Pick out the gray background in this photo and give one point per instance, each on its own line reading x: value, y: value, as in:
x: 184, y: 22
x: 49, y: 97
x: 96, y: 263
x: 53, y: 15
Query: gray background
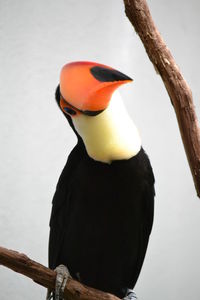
x: 36, y: 39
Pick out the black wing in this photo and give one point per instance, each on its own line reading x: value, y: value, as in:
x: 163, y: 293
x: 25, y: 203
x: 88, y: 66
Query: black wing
x: 60, y: 204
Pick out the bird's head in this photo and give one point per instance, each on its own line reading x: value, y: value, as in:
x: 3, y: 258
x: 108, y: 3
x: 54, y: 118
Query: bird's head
x: 98, y: 118
x: 86, y: 87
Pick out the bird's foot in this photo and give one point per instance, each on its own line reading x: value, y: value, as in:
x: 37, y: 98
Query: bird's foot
x: 61, y: 281
x: 130, y: 295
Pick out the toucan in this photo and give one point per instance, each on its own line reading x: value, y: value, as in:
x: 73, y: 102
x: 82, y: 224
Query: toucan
x: 103, y: 206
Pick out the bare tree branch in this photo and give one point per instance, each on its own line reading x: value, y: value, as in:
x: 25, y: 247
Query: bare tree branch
x: 40, y: 274
x: 179, y: 92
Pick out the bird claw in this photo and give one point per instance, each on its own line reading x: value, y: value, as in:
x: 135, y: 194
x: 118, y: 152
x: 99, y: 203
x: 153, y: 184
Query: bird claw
x: 62, y: 275
x: 131, y: 295
x: 61, y: 280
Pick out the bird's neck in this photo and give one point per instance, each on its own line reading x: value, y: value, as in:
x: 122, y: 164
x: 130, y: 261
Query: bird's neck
x: 111, y: 135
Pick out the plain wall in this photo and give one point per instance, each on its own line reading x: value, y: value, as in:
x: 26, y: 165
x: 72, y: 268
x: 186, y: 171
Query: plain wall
x: 36, y: 39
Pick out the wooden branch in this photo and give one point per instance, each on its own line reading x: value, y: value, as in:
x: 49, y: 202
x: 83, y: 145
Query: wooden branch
x: 179, y: 92
x: 40, y: 274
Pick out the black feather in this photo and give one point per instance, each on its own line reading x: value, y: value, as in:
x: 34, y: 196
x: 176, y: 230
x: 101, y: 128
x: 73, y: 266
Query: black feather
x: 101, y: 220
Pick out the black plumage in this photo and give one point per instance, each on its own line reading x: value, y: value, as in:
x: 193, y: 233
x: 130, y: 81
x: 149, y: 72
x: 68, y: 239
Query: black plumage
x: 101, y: 219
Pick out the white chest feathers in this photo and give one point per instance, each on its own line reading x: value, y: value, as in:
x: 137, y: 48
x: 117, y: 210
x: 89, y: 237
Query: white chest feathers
x: 111, y: 135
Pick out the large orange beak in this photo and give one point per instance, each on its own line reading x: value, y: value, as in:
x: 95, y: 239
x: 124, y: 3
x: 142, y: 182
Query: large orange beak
x: 88, y: 86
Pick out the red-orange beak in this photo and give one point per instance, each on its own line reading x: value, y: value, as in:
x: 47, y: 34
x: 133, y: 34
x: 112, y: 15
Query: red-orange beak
x: 88, y: 86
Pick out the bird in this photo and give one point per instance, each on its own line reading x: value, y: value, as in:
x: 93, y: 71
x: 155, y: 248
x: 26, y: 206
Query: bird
x: 103, y: 206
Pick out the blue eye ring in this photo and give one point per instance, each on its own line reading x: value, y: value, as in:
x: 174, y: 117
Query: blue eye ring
x: 70, y: 111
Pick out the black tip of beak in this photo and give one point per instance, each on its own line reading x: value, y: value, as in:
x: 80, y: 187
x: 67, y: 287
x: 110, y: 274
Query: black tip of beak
x: 108, y: 75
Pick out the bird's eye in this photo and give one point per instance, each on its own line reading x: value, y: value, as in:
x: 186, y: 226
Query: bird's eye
x: 70, y: 111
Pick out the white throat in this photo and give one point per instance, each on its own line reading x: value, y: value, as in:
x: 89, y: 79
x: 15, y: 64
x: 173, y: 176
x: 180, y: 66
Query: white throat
x: 111, y: 135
